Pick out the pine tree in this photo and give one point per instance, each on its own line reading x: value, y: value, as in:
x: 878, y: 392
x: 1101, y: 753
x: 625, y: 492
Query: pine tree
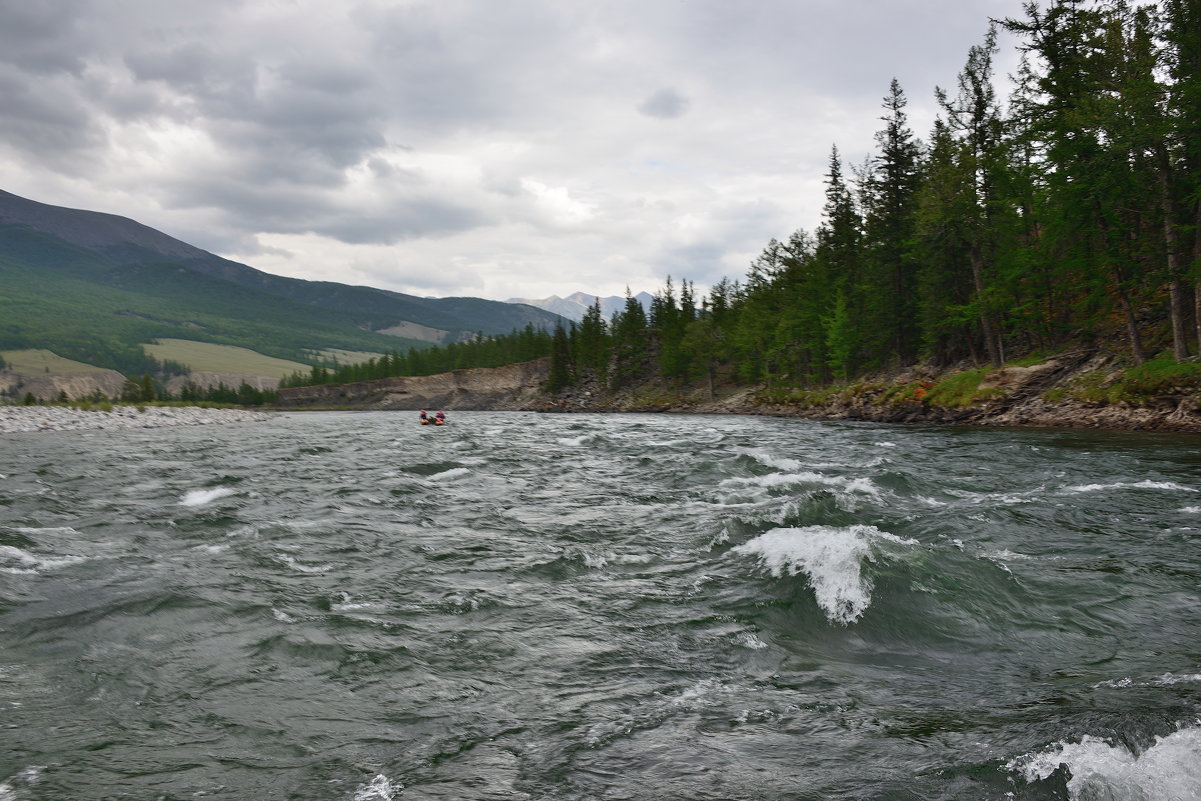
x: 975, y: 116
x: 839, y: 250
x: 888, y: 229
x: 592, y: 351
x: 560, y: 374
x: 943, y: 242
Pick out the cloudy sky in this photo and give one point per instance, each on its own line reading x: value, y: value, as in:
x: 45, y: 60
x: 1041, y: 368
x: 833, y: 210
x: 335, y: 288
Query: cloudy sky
x: 493, y: 148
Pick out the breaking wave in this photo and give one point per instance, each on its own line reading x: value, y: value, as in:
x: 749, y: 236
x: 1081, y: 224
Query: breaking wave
x: 832, y: 560
x: 1098, y: 770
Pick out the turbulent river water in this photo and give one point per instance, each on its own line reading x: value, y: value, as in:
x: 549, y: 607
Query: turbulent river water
x: 353, y: 607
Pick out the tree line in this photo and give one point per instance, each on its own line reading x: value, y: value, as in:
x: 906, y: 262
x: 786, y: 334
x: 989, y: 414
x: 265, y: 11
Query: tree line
x: 1069, y: 212
x: 522, y: 345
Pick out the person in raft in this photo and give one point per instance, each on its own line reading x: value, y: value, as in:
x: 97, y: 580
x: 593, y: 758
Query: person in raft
x: 441, y: 416
x: 424, y: 416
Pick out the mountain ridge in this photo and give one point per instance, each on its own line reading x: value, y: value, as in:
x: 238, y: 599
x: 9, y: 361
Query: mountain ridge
x: 127, y: 241
x: 74, y: 275
x: 575, y: 305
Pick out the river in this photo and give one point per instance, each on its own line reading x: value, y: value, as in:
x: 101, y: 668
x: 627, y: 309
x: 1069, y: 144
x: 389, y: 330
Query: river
x: 354, y: 607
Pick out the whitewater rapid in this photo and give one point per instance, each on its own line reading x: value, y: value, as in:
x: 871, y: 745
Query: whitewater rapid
x: 349, y: 606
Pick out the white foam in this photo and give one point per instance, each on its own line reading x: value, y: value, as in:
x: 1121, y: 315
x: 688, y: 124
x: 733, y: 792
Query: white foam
x: 830, y: 557
x: 65, y: 531
x: 1148, y: 484
x: 772, y: 480
x: 1166, y: 680
x: 449, y: 475
x: 765, y: 458
x: 380, y: 788
x: 1169, y: 769
x: 573, y: 442
x: 348, y: 604
x: 17, y: 561
x: 203, y: 496
x: 1191, y: 510
x: 303, y: 568
x: 27, y: 776
x: 1007, y: 554
x: 749, y: 640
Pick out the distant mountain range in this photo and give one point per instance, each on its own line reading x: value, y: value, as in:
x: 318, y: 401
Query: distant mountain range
x: 575, y: 305
x: 94, y: 287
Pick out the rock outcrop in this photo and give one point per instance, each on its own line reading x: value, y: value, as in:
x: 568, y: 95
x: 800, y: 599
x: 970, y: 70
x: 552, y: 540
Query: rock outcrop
x: 514, y: 386
x: 206, y: 381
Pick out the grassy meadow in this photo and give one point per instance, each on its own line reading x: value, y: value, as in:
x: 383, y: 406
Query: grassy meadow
x: 208, y: 357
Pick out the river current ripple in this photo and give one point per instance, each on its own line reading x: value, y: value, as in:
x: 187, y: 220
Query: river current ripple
x: 353, y: 607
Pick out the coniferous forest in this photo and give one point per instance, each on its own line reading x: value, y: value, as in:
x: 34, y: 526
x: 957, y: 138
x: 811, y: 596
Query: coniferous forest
x: 1057, y: 207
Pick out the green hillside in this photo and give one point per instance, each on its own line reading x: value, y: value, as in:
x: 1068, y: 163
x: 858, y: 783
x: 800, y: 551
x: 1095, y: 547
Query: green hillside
x: 38, y: 360
x: 119, y: 241
x: 96, y: 287
x: 85, y: 307
x: 207, y: 357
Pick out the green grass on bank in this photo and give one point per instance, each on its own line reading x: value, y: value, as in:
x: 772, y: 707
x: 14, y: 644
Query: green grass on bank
x: 1156, y: 377
x: 1140, y: 385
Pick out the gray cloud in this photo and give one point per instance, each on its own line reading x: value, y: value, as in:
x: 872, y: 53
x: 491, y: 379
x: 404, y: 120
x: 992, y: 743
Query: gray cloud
x: 43, y: 37
x: 666, y: 104
x: 514, y: 148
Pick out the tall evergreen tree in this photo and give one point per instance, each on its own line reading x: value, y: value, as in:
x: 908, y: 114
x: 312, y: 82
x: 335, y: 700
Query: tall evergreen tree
x: 561, y: 367
x: 975, y: 116
x: 944, y: 206
x: 1181, y: 36
x: 592, y: 351
x: 888, y: 229
x: 1087, y: 175
x: 838, y: 248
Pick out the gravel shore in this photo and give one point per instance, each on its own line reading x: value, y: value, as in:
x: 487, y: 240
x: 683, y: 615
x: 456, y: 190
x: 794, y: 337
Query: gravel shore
x: 18, y: 419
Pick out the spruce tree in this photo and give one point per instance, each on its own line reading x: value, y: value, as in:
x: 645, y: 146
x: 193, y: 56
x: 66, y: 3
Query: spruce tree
x: 560, y: 374
x: 888, y: 227
x: 839, y: 248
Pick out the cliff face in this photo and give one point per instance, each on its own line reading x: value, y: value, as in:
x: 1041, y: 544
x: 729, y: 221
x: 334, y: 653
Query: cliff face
x: 515, y: 386
x: 208, y: 381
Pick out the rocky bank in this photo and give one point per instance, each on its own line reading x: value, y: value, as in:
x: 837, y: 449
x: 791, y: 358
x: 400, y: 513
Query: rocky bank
x: 21, y: 419
x: 1036, y: 395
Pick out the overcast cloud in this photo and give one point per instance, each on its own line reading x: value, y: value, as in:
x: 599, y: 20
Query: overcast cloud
x: 493, y: 148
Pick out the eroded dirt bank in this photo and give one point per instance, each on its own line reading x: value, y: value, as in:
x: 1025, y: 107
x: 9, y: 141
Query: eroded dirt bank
x: 514, y: 386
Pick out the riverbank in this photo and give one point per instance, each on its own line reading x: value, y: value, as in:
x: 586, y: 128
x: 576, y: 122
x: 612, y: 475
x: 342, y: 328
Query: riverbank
x: 1087, y: 389
x: 21, y: 419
